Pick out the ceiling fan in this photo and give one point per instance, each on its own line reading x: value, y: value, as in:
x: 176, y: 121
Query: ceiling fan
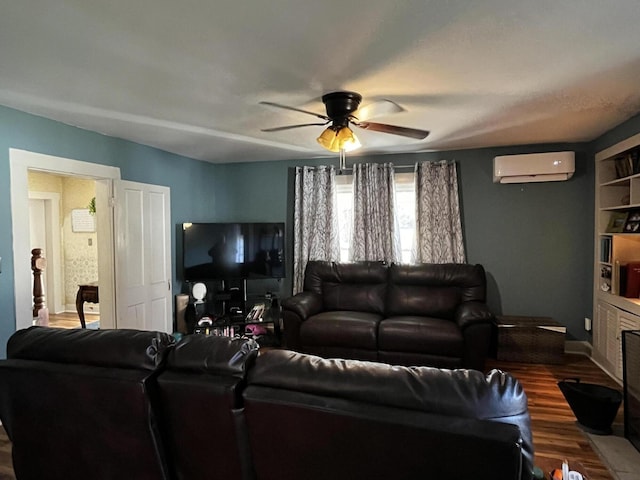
x: 342, y: 110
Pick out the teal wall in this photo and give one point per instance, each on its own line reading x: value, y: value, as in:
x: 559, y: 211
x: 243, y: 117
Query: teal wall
x: 535, y: 240
x: 189, y: 180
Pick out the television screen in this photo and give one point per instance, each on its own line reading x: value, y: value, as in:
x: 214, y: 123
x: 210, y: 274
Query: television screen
x: 222, y: 251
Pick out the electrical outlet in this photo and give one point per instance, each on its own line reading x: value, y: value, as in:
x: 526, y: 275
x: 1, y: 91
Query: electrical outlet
x: 587, y: 324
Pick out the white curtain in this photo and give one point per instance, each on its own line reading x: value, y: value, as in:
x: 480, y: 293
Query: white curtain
x: 315, y: 220
x: 438, y: 224
x: 375, y: 232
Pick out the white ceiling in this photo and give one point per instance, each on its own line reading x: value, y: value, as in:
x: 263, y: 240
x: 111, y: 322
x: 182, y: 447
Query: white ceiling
x: 187, y: 75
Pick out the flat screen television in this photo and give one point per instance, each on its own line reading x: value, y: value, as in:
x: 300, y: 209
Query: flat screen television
x: 225, y: 251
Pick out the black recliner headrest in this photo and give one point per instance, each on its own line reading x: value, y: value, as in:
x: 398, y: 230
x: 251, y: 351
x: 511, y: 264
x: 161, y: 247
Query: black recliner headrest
x: 122, y: 348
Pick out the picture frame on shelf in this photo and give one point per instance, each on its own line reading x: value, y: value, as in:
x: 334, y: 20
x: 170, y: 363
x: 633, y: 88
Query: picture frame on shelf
x: 617, y: 222
x: 632, y: 225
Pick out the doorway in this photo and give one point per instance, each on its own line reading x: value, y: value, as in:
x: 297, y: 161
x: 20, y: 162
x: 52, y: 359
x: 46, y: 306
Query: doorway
x: 62, y: 223
x: 133, y: 233
x: 21, y: 162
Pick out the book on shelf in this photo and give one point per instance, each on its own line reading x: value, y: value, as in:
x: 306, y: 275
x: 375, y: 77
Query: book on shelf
x: 632, y: 288
x: 627, y: 164
x: 605, y: 249
x: 622, y: 280
x: 619, y: 279
x: 623, y: 168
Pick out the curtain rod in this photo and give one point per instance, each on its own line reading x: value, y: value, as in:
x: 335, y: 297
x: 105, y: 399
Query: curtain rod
x: 395, y: 167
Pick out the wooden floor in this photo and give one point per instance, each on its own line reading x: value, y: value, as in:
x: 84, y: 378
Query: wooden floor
x: 555, y: 433
x: 6, y: 471
x: 69, y: 319
x: 556, y: 436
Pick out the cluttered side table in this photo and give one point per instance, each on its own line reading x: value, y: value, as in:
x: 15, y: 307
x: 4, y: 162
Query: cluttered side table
x: 262, y: 323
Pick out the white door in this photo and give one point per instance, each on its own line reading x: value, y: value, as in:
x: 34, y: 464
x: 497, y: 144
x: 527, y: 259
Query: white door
x: 143, y: 256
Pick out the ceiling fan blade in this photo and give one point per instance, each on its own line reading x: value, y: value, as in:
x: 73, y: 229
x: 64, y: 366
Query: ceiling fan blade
x: 286, y: 107
x: 394, y: 129
x: 377, y: 109
x: 289, y: 127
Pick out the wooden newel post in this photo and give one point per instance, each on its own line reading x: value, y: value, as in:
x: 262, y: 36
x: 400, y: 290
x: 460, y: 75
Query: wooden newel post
x: 38, y: 264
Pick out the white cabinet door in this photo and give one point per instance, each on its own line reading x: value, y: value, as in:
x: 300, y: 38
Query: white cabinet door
x: 613, y: 345
x: 610, y: 321
x: 626, y: 321
x: 143, y: 256
x: 604, y: 335
x: 600, y: 332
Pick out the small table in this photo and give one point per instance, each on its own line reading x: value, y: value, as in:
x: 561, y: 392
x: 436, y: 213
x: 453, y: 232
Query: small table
x: 530, y: 339
x: 87, y: 292
x: 236, y: 325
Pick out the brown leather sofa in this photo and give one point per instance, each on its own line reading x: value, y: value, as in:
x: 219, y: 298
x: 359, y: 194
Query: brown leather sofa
x: 201, y: 401
x: 78, y: 404
x: 427, y: 314
x: 104, y: 404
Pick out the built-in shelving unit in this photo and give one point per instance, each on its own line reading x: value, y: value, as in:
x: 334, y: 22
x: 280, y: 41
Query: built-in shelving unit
x: 617, y: 248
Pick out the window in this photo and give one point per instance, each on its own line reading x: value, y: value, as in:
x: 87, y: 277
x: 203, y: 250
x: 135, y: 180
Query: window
x: 405, y: 211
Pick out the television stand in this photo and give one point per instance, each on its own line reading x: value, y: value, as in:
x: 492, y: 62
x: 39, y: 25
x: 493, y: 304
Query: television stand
x: 265, y: 328
x: 232, y: 298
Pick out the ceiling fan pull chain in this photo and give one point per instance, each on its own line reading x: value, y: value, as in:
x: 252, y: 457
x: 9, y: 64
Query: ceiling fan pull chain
x: 343, y: 159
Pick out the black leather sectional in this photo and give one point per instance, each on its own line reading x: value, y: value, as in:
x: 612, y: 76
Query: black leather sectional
x: 121, y: 404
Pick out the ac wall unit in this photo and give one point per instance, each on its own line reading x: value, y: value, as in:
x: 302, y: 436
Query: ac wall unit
x: 534, y: 167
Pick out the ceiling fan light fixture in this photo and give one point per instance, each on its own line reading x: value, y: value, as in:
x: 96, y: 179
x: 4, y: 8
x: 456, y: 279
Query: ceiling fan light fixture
x: 343, y: 111
x: 328, y: 138
x: 339, y: 138
x: 347, y: 140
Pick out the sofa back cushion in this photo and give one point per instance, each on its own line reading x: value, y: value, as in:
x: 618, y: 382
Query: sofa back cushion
x: 360, y: 287
x: 122, y: 348
x: 431, y: 289
x: 357, y: 410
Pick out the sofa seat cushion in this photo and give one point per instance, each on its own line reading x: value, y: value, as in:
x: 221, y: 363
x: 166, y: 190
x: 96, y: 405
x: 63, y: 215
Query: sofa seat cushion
x: 421, y: 334
x: 341, y: 329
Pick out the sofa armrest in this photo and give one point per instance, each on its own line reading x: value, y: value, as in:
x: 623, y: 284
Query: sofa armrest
x: 303, y: 304
x: 476, y: 322
x: 296, y: 310
x: 473, y: 313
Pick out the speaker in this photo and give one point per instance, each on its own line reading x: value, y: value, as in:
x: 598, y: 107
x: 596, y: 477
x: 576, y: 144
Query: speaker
x: 182, y: 301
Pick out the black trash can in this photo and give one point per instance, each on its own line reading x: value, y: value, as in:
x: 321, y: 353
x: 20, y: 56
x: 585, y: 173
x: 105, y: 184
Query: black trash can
x: 595, y: 406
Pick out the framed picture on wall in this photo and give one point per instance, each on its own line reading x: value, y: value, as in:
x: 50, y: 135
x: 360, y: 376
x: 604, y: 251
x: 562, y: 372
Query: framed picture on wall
x: 82, y: 221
